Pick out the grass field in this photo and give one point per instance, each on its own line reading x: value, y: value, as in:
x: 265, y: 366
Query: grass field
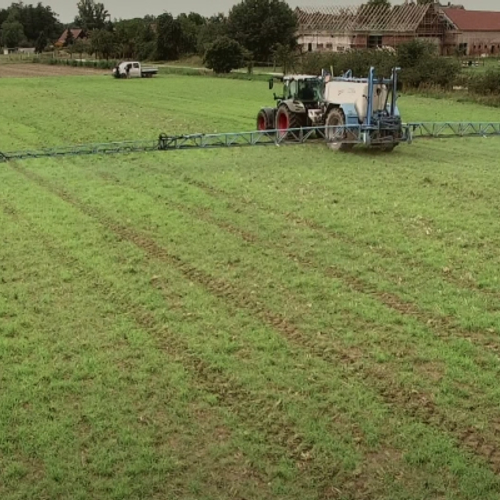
x: 283, y: 323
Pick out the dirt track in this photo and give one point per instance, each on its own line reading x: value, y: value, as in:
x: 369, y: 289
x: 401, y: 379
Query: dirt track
x: 31, y: 70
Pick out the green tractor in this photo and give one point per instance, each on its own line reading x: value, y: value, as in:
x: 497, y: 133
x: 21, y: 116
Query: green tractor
x: 298, y: 107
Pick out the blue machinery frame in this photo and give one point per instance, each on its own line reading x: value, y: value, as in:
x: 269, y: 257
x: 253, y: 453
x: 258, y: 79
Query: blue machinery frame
x: 411, y: 131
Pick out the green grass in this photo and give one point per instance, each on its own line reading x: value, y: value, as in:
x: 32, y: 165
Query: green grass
x: 248, y: 323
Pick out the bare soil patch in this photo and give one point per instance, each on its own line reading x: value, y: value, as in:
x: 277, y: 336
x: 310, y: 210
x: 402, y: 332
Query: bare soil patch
x: 31, y: 70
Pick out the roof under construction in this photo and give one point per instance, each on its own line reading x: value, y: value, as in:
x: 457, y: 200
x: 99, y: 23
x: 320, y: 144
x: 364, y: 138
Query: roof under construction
x: 365, y: 18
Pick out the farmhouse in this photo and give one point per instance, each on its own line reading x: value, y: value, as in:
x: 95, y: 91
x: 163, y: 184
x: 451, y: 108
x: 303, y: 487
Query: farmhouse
x: 454, y: 30
x: 78, y: 34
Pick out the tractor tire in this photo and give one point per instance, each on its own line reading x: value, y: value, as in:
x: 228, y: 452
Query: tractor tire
x: 265, y: 119
x: 336, y: 118
x: 286, y: 119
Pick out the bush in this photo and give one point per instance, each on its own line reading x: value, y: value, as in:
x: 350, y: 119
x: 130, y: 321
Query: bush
x: 485, y: 84
x: 432, y: 71
x: 422, y: 66
x: 419, y: 60
x: 224, y: 55
x: 359, y: 61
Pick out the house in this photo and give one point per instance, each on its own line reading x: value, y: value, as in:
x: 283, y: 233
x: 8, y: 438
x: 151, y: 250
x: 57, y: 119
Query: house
x: 78, y: 34
x: 473, y: 32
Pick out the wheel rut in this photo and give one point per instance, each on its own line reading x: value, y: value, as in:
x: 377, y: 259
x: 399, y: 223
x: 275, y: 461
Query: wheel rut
x: 235, y: 203
x: 442, y: 326
x: 261, y: 414
x: 412, y: 403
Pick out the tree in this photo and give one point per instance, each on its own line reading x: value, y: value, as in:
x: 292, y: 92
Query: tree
x: 214, y: 27
x: 34, y: 20
x: 103, y: 43
x: 70, y: 39
x: 91, y: 15
x: 169, y: 38
x: 191, y: 25
x: 81, y: 47
x: 379, y: 3
x: 41, y: 42
x: 12, y: 33
x: 135, y: 38
x: 259, y: 25
x: 288, y: 59
x: 224, y: 55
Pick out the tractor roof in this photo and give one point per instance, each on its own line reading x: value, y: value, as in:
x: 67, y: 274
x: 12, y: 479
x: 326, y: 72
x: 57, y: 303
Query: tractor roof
x: 301, y: 77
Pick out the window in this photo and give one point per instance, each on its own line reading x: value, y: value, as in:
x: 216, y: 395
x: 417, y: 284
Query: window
x: 320, y: 46
x: 374, y: 41
x: 329, y: 46
x: 136, y: 65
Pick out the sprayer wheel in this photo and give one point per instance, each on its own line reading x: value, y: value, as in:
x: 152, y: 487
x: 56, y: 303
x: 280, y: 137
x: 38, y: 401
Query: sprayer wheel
x: 336, y: 118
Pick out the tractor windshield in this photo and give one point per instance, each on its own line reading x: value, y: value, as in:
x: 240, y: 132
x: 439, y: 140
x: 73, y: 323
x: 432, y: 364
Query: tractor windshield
x: 310, y: 90
x: 303, y: 90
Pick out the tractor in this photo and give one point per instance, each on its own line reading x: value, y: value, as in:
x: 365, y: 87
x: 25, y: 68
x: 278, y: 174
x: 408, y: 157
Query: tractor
x: 345, y: 110
x: 298, y: 107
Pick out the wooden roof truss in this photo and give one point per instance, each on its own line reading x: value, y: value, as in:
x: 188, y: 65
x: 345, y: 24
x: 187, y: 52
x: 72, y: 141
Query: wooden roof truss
x: 404, y: 18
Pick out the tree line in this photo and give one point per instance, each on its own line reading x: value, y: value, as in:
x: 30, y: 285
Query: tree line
x: 253, y: 30
x: 28, y: 25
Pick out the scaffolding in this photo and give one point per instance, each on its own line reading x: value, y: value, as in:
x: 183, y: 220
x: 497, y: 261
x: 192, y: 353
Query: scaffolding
x: 369, y: 26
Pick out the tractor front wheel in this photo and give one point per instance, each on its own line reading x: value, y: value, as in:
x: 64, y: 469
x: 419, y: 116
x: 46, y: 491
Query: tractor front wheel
x: 285, y: 120
x: 334, y: 137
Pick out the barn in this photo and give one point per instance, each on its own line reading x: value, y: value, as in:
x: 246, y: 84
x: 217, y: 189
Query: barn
x: 454, y: 30
x: 473, y: 32
x: 338, y: 29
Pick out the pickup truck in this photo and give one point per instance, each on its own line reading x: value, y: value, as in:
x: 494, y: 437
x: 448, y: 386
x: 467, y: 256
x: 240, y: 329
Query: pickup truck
x: 133, y: 69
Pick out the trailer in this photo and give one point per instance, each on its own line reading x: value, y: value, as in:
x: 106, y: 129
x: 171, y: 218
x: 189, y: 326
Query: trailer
x: 133, y: 69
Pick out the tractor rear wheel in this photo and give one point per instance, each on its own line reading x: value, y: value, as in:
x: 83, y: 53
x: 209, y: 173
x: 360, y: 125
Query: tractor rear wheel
x: 285, y: 120
x: 265, y: 119
x: 336, y: 118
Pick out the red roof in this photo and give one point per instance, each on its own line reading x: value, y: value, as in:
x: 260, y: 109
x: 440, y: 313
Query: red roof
x: 474, y: 20
x: 76, y: 34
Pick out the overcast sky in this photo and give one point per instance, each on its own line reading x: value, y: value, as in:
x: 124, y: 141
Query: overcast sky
x: 139, y: 8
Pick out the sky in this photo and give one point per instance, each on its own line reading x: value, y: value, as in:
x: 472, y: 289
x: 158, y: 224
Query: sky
x: 134, y: 8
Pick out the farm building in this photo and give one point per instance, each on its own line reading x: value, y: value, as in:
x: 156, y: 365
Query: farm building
x: 78, y: 34
x: 368, y: 26
x: 453, y: 29
x: 474, y: 32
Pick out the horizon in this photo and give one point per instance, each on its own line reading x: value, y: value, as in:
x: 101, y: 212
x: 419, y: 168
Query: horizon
x: 118, y: 9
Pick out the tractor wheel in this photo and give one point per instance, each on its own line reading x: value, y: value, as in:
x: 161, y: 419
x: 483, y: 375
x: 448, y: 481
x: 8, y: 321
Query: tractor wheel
x: 335, y: 118
x: 285, y: 120
x: 265, y: 119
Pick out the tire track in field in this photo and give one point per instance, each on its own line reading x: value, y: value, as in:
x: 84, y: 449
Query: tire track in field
x: 446, y: 323
x: 235, y: 204
x: 442, y: 326
x: 249, y: 408
x: 414, y: 404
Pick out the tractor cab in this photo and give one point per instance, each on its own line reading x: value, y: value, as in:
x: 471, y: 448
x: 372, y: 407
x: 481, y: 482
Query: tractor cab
x: 304, y: 88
